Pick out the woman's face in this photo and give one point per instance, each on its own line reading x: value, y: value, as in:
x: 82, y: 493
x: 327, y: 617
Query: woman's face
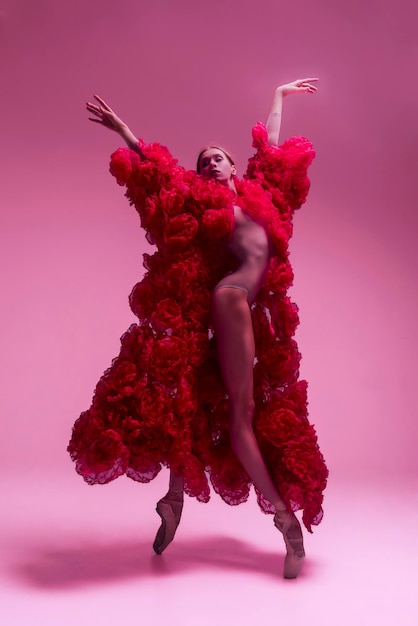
x: 215, y: 164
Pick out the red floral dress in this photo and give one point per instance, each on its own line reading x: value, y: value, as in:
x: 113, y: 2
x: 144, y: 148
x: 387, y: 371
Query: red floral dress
x: 162, y: 401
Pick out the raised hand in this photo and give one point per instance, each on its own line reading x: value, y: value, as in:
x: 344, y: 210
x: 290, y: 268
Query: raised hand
x: 302, y: 85
x: 104, y: 115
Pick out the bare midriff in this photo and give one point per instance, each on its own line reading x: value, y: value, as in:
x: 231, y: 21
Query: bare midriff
x: 250, y: 244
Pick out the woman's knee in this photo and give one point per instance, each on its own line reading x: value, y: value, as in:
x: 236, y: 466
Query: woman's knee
x: 228, y: 300
x: 242, y: 411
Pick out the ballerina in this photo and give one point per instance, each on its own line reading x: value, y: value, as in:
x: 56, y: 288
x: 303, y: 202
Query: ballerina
x: 208, y: 381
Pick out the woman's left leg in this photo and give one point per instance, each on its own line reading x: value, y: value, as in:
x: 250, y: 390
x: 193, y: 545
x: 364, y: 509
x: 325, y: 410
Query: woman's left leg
x: 235, y: 342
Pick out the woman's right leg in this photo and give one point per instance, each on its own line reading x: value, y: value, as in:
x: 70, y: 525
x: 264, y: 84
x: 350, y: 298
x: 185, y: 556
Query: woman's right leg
x: 169, y: 509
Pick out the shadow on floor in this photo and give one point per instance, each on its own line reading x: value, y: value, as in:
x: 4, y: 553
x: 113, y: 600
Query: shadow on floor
x: 86, y: 565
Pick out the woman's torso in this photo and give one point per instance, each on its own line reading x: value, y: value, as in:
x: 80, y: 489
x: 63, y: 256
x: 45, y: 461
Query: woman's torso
x: 249, y: 243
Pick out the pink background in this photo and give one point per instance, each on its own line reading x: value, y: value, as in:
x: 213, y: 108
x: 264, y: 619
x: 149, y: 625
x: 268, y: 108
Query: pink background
x: 186, y: 73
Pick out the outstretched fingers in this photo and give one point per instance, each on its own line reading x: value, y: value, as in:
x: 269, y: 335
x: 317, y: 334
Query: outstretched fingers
x: 93, y: 108
x: 102, y: 102
x: 98, y: 109
x: 305, y: 84
x: 105, y: 115
x: 102, y: 111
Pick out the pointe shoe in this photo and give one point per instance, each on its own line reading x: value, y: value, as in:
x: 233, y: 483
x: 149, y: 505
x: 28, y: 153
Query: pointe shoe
x: 169, y: 509
x: 289, y: 526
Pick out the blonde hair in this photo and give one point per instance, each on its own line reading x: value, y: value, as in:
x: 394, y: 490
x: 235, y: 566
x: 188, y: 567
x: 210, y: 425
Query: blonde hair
x: 212, y: 146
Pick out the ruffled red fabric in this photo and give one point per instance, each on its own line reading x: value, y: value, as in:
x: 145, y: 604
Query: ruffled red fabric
x: 162, y: 401
x: 282, y: 170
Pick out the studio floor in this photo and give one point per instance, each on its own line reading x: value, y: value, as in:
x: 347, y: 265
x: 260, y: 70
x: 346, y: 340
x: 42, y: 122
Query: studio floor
x: 81, y: 555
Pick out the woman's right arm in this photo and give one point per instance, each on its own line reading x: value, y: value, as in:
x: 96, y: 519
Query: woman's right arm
x: 108, y: 118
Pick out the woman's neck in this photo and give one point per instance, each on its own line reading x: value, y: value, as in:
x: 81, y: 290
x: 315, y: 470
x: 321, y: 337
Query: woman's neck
x: 231, y: 185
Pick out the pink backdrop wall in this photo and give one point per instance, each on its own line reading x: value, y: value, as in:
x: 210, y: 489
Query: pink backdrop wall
x: 186, y: 72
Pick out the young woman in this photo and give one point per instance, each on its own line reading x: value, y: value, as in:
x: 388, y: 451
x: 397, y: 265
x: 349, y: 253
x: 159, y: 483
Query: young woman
x: 207, y: 382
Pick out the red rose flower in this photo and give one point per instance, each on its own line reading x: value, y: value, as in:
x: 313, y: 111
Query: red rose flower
x: 167, y: 315
x: 137, y: 344
x: 259, y: 133
x: 278, y: 426
x: 217, y: 224
x: 196, y: 347
x: 180, y: 230
x: 182, y: 276
x: 118, y: 381
x: 144, y: 297
x: 279, y: 277
x: 85, y: 431
x: 172, y: 201
x: 153, y: 405
x: 122, y: 162
x: 197, y: 307
x: 280, y: 362
x: 106, y: 452
x: 167, y: 359
x: 284, y: 316
x: 185, y: 404
x: 293, y: 397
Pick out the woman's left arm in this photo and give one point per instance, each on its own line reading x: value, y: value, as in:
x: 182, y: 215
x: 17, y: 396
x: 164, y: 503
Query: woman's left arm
x: 302, y: 85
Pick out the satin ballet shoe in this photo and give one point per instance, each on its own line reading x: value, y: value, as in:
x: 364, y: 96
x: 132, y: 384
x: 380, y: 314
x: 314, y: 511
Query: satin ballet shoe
x: 169, y: 509
x: 289, y: 526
